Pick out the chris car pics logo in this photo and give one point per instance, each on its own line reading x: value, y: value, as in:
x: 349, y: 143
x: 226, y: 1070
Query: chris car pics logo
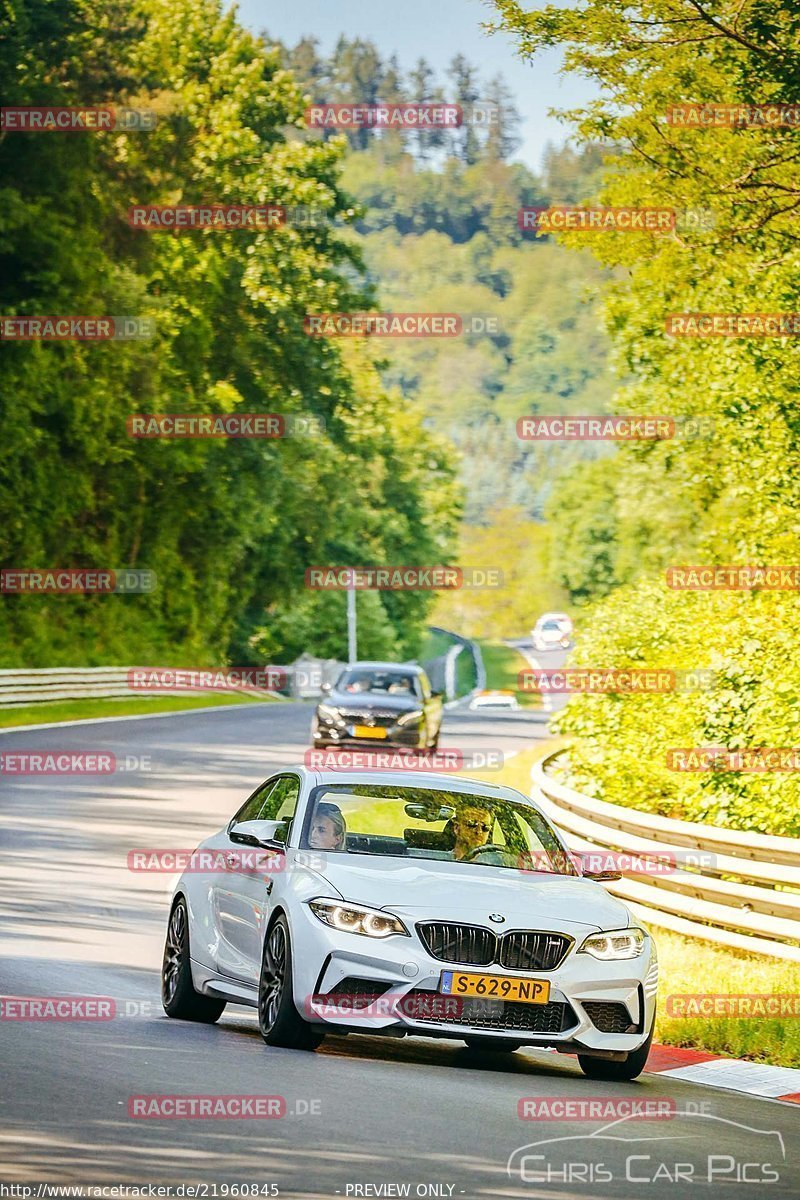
x: 698, y: 1148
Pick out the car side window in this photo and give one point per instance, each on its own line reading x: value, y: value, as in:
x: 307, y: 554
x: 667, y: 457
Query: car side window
x: 282, y: 800
x: 251, y: 809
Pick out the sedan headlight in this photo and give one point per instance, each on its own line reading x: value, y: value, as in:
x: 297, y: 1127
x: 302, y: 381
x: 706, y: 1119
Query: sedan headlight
x: 356, y: 918
x: 619, y: 943
x: 409, y: 718
x: 329, y: 713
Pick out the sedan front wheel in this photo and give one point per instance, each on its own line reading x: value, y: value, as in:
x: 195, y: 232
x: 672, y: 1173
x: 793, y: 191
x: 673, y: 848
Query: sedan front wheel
x: 278, y: 1020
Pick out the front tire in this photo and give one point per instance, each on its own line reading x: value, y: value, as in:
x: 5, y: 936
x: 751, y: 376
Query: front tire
x: 178, y: 995
x: 629, y: 1068
x: 278, y: 1020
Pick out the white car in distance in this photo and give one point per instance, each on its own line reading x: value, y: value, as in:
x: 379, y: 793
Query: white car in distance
x: 553, y: 631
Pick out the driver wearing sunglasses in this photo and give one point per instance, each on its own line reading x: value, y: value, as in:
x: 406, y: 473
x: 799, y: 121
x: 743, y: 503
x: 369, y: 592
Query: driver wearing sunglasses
x: 472, y: 827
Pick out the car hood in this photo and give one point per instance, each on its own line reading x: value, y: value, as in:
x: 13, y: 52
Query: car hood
x: 444, y: 891
x: 368, y: 701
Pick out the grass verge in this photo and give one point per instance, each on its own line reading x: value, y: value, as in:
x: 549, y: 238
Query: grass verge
x: 516, y: 771
x: 692, y: 966
x: 87, y: 710
x: 503, y: 665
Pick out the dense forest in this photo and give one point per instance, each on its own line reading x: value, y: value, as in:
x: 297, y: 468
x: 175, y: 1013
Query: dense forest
x: 403, y: 221
x: 731, y: 496
x: 227, y: 526
x: 438, y: 230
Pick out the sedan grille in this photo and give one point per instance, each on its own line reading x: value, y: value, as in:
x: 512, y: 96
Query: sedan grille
x: 459, y: 943
x: 470, y: 945
x: 432, y: 1008
x: 530, y: 950
x: 360, y: 717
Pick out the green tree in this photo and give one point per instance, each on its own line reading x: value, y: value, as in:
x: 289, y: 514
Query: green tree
x: 730, y: 495
x: 228, y: 527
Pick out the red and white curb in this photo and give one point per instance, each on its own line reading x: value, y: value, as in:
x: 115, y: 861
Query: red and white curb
x: 738, y: 1075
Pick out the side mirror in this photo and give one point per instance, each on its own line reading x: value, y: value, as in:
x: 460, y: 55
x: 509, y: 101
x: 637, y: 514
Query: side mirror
x: 326, y: 687
x: 269, y: 835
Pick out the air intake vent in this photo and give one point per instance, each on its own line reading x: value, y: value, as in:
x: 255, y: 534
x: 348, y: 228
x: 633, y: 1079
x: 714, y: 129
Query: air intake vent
x: 431, y: 1008
x: 610, y: 1017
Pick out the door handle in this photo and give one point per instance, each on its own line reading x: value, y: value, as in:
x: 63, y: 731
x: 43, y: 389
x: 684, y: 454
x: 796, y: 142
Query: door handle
x: 232, y: 860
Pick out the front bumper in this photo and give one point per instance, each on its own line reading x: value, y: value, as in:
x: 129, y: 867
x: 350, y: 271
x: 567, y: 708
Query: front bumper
x: 327, y: 733
x: 344, y: 968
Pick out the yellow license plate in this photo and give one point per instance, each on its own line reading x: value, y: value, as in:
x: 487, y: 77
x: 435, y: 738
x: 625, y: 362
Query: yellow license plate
x: 495, y: 987
x: 367, y: 731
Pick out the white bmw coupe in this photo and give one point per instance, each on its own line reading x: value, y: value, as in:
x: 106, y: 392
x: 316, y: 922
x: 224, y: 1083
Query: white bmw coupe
x: 405, y: 902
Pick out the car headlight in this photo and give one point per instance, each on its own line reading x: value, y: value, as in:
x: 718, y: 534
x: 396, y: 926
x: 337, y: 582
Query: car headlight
x: 619, y: 943
x: 408, y: 718
x: 329, y: 713
x: 356, y: 918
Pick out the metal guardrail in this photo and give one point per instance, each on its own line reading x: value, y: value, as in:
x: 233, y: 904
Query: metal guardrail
x: 78, y: 683
x: 744, y: 892
x: 303, y: 678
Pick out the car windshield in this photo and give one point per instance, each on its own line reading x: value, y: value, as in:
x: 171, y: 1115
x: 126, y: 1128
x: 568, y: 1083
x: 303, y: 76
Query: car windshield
x: 433, y: 823
x: 551, y: 626
x: 359, y: 680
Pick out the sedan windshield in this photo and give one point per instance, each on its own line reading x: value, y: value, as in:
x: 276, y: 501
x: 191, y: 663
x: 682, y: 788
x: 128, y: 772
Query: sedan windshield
x: 377, y: 682
x: 419, y: 822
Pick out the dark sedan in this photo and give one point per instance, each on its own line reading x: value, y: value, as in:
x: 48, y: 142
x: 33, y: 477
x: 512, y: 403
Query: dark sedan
x: 379, y: 702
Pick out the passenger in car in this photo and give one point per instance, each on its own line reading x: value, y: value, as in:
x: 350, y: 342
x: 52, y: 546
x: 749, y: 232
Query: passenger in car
x: 328, y: 828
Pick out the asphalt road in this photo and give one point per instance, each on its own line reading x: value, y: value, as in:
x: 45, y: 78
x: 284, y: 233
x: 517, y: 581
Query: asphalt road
x: 365, y: 1116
